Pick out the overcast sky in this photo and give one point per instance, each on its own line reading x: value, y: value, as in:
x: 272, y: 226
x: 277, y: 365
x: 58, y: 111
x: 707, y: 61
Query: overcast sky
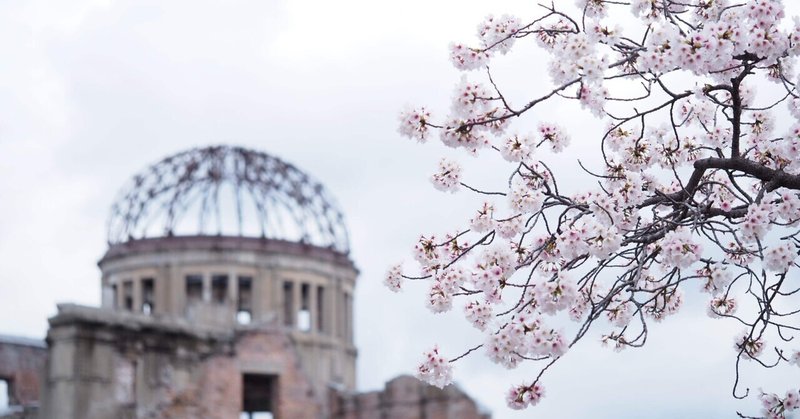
x: 93, y: 92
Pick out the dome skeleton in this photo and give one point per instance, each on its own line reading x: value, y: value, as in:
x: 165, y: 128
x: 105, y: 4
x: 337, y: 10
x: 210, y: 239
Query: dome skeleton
x: 284, y: 202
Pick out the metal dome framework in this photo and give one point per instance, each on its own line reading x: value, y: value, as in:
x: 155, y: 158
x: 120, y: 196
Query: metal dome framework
x: 227, y: 191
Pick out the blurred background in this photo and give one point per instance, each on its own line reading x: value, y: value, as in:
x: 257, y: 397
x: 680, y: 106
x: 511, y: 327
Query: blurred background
x: 92, y: 92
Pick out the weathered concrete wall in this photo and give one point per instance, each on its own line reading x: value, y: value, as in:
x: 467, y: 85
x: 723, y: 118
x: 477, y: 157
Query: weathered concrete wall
x: 327, y: 350
x: 107, y: 364
x: 273, y: 353
x: 405, y: 397
x: 217, y: 391
x: 21, y: 364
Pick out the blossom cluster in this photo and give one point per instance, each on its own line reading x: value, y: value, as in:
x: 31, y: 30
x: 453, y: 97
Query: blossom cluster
x: 679, y: 248
x: 774, y: 407
x: 448, y: 178
x: 479, y: 314
x: 415, y: 123
x: 748, y: 345
x: 717, y: 278
x: 496, y: 35
x: 696, y: 182
x: 447, y: 282
x: 795, y: 358
x: 524, y: 395
x: 526, y: 336
x: 394, y: 278
x: 435, y: 369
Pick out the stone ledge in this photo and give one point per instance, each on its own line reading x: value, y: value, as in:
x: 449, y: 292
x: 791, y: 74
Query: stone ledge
x: 22, y: 341
x: 136, y: 322
x: 226, y: 243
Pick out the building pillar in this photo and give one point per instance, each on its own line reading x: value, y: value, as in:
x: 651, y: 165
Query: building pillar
x: 296, y: 302
x: 265, y: 291
x: 312, y: 307
x: 335, y: 309
x: 118, y: 297
x: 233, y: 289
x: 206, y: 287
x: 137, y: 295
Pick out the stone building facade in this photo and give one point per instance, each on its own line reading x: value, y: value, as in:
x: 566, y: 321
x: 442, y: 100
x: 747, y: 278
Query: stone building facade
x: 241, y: 283
x: 22, y: 363
x: 131, y: 365
x: 221, y: 325
x: 405, y: 397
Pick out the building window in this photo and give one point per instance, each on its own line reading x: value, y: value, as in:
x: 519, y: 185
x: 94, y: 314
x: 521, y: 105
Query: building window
x: 320, y: 308
x: 259, y: 396
x: 127, y: 295
x: 114, y: 297
x: 194, y: 288
x: 288, y: 304
x: 5, y: 390
x: 219, y: 289
x: 304, y: 315
x: 244, y: 303
x: 148, y: 295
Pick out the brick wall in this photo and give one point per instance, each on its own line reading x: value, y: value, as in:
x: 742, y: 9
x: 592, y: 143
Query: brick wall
x: 405, y: 397
x: 21, y: 364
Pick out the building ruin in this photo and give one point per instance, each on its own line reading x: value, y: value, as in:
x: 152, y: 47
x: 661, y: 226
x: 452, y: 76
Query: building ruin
x: 227, y: 292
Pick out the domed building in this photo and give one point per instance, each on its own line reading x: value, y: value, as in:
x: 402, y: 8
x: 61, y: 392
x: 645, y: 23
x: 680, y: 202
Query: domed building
x: 227, y: 292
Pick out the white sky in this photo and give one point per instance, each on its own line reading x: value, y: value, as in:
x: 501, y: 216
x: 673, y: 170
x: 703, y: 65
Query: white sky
x: 92, y: 92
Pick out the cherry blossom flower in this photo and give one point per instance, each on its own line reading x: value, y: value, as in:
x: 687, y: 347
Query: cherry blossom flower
x: 717, y: 278
x: 517, y: 148
x: 619, y: 312
x: 394, y: 278
x: 435, y: 369
x: 466, y: 58
x: 479, y: 314
x: 459, y: 134
x: 510, y: 227
x: 593, y: 98
x: 780, y: 258
x: 679, y: 248
x: 795, y: 358
x: 788, y: 208
x: 427, y: 252
x: 600, y: 33
x: 524, y: 198
x: 555, y: 295
x: 694, y: 181
x: 498, y: 33
x: 439, y: 299
x: 773, y: 407
x: 721, y: 306
x: 665, y: 302
x: 483, y: 221
x: 750, y: 347
x: 554, y: 136
x: 414, y: 124
x: 757, y: 221
x: 524, y: 395
x: 448, y: 178
x: 791, y: 401
x: 471, y: 100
